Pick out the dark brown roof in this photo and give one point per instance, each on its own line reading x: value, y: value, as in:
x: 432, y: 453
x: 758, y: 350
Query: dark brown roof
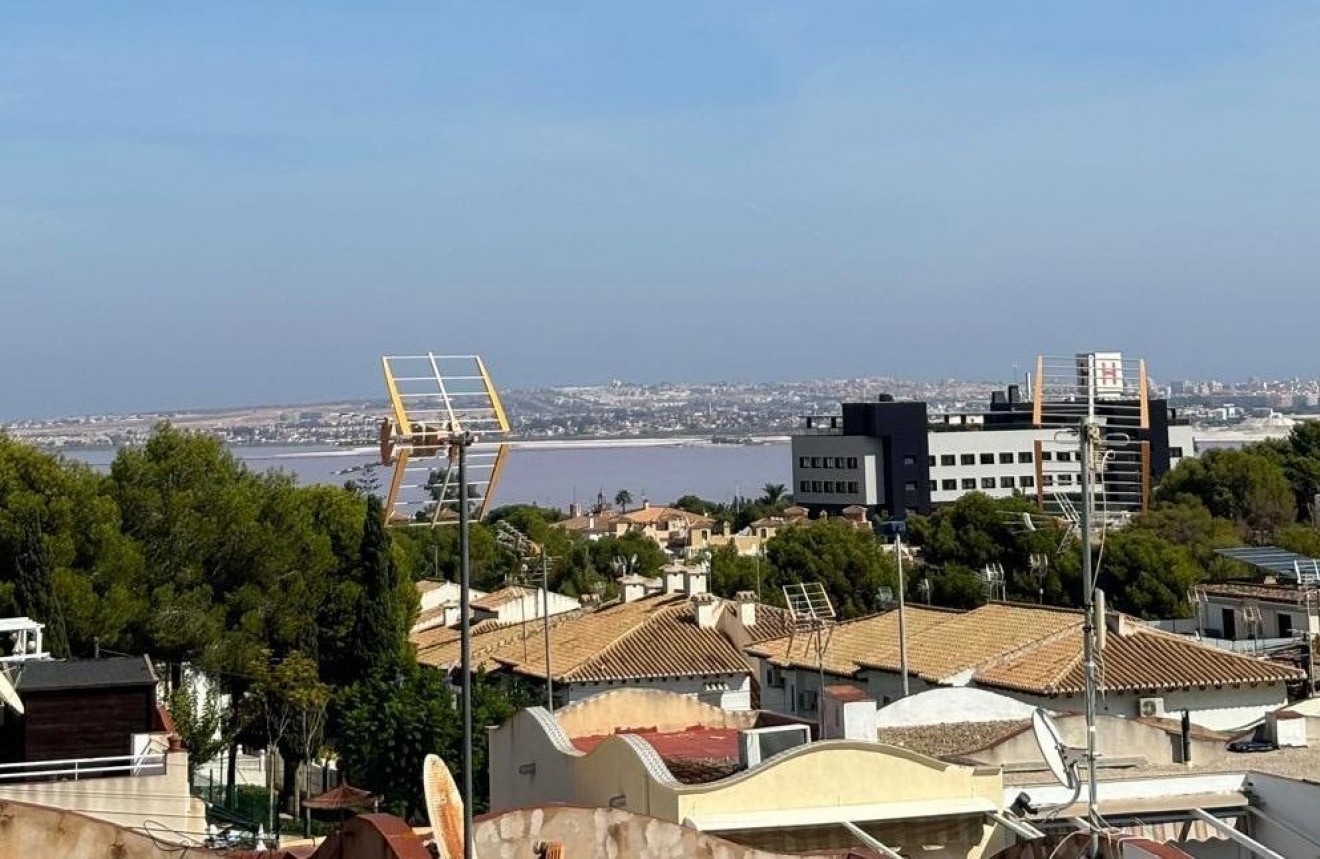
x: 344, y: 796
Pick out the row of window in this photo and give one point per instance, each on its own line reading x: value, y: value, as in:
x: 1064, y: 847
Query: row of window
x: 1026, y: 481
x: 1021, y: 458
x: 828, y: 487
x: 827, y: 462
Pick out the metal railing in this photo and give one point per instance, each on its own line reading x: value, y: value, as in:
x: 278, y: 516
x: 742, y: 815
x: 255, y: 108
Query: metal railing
x: 78, y: 768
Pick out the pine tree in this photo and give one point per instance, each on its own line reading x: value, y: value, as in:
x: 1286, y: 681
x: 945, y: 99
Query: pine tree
x: 34, y: 588
x: 379, y: 631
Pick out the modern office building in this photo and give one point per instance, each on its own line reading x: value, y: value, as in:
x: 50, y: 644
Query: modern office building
x: 898, y: 457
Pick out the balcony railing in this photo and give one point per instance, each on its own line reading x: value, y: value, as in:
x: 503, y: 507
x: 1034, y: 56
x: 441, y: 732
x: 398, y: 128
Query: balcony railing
x: 81, y: 768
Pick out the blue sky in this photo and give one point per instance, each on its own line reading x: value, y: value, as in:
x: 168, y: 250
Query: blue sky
x: 211, y: 204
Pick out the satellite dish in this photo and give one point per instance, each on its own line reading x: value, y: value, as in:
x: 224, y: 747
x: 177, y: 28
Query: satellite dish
x: 444, y: 807
x: 1059, y: 757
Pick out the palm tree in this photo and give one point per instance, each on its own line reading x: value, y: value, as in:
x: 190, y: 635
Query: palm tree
x: 773, y: 493
x: 623, y: 498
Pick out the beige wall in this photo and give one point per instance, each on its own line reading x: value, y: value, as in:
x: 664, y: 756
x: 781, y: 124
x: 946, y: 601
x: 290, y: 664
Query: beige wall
x: 128, y: 801
x: 36, y: 831
x: 589, y: 832
x: 1115, y: 737
x: 607, y: 712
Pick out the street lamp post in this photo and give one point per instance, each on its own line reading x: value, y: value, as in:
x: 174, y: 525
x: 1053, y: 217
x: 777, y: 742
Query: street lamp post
x: 896, y: 528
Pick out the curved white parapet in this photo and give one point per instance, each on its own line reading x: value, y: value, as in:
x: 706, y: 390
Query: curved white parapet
x: 952, y: 704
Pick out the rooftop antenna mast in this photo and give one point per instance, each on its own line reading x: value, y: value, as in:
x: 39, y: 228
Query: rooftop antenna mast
x: 811, y: 614
x: 442, y: 405
x: 529, y: 552
x: 1099, y: 403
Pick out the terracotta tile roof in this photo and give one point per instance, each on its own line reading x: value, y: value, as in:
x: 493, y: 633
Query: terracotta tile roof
x: 648, y: 638
x: 589, y: 521
x: 428, y: 585
x: 1289, y: 594
x: 771, y: 622
x: 651, y: 515
x: 440, y: 647
x: 694, y: 756
x: 1137, y: 659
x: 967, y: 640
x: 495, y: 599
x: 851, y: 643
x: 429, y: 618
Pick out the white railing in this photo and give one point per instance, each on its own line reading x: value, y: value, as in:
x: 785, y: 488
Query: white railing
x: 76, y: 768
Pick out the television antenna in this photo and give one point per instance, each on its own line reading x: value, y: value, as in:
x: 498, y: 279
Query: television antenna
x: 1098, y: 403
x: 444, y: 437
x: 442, y: 406
x: 992, y: 580
x: 811, y: 614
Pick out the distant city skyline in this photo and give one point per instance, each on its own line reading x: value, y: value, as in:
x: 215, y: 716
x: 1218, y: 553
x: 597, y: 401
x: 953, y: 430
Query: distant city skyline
x: 250, y: 203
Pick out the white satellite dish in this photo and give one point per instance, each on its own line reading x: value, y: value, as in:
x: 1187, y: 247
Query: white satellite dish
x: 1059, y: 757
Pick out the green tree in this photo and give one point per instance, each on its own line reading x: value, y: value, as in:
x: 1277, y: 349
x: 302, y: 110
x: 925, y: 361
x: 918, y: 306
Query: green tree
x: 382, y: 621
x: 1246, y: 486
x: 389, y: 726
x: 846, y: 560
x: 199, y: 721
x: 731, y: 572
x: 34, y: 590
x: 612, y: 552
x: 622, y: 499
x: 773, y: 493
x: 1145, y: 575
x: 1186, y: 522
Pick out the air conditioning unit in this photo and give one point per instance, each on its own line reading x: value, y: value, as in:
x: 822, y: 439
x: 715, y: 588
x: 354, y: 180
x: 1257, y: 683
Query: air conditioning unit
x: 1150, y: 707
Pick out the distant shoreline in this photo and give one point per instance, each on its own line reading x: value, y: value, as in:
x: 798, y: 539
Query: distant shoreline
x: 321, y: 448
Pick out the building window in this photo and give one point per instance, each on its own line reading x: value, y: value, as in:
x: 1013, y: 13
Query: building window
x: 969, y: 483
x: 987, y: 459
x: 828, y: 486
x: 815, y: 462
x: 950, y: 486
x: 838, y: 462
x: 1065, y: 479
x: 1046, y: 456
x: 815, y: 486
x: 909, y: 460
x: 1005, y: 459
x: 930, y: 461
x: 1026, y: 481
x: 948, y: 459
x: 910, y: 487
x: 804, y: 462
x: 969, y: 459
x: 804, y: 486
x: 852, y: 462
x: 931, y: 486
x: 1047, y: 480
x: 1024, y: 457
x: 987, y: 483
x: 1175, y: 453
x: 1005, y: 483
x: 1064, y: 456
x: 852, y: 487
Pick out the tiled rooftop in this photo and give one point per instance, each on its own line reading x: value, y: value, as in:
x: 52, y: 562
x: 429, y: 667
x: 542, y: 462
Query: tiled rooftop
x: 1289, y: 594
x: 1141, y: 659
x: 851, y: 642
x: 495, y: 599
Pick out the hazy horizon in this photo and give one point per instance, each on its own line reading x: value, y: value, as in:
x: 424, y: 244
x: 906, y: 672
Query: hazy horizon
x: 249, y: 203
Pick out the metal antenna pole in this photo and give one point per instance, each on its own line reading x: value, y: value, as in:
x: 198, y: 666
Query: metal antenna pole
x: 465, y: 636
x: 545, y: 625
x: 1087, y: 428
x: 902, y: 624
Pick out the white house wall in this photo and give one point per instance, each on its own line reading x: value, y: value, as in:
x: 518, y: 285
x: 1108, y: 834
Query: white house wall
x: 1225, y: 709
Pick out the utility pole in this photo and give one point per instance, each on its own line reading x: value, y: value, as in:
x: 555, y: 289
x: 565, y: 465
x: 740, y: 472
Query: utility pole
x: 545, y: 625
x: 1088, y: 435
x: 461, y: 441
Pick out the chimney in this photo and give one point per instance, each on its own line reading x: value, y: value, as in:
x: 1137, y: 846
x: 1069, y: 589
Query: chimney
x: 452, y: 613
x: 574, y: 510
x: 674, y: 579
x: 746, y: 608
x: 646, y: 504
x: 695, y: 581
x: 847, y: 714
x: 634, y: 588
x: 707, y: 609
